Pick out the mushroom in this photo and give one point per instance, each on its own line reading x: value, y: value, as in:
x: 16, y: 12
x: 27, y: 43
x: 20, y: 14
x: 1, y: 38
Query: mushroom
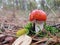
x: 38, y: 17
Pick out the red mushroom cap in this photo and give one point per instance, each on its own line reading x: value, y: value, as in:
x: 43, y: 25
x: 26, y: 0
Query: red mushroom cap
x: 39, y: 15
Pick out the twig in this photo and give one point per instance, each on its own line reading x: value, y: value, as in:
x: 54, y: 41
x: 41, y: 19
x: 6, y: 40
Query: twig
x: 36, y: 39
x: 40, y: 41
x: 47, y: 40
x: 36, y: 34
x: 49, y: 33
x: 8, y: 34
x: 51, y: 9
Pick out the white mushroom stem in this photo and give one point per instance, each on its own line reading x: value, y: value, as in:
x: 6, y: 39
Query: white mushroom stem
x: 39, y: 26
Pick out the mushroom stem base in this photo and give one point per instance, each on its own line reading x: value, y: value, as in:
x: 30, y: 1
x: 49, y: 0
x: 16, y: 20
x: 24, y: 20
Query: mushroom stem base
x: 39, y: 26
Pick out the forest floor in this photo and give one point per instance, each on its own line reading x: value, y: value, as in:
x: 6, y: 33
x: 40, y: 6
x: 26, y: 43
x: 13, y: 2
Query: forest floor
x: 20, y: 19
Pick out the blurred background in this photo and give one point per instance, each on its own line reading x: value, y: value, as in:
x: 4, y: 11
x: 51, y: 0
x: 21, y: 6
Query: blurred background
x: 19, y: 10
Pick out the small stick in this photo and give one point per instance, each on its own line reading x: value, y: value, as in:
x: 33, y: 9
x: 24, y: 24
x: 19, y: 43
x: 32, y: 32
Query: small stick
x: 49, y: 33
x: 48, y: 41
x: 8, y: 34
x: 40, y: 41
